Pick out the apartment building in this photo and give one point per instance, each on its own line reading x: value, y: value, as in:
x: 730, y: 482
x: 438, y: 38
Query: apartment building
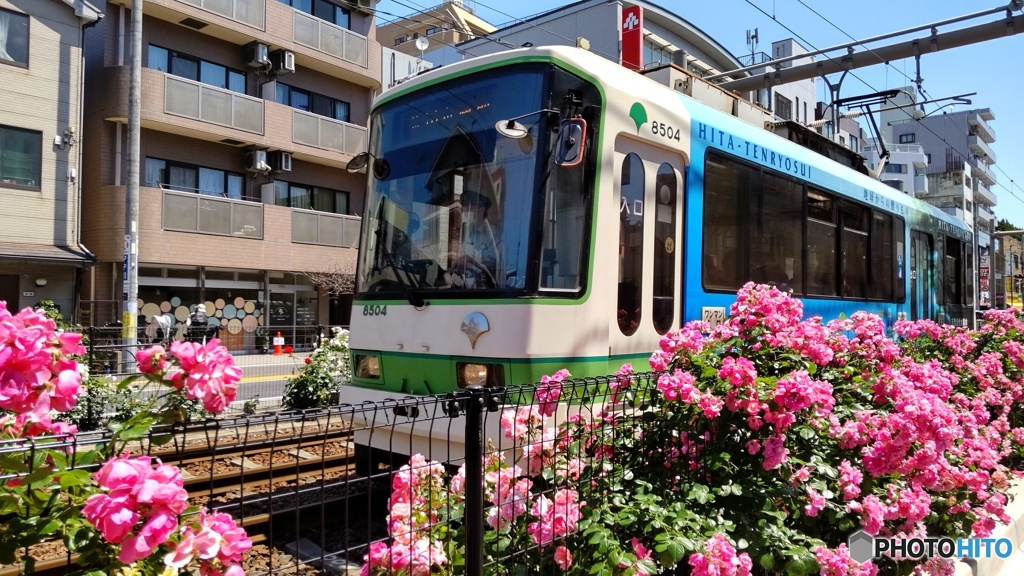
x: 250, y: 110
x: 446, y: 24
x: 41, y: 254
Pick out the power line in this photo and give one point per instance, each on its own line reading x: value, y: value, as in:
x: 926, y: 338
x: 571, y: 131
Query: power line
x: 909, y: 115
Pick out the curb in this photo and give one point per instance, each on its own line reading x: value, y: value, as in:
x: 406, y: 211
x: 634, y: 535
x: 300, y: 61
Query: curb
x: 1014, y: 531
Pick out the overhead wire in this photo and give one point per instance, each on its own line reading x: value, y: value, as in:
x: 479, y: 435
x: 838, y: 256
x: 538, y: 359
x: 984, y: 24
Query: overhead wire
x: 956, y: 149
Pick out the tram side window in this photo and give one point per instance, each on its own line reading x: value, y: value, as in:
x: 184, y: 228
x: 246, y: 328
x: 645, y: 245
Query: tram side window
x: 631, y: 244
x: 881, y: 268
x: 776, y: 233
x: 952, y: 273
x: 821, y: 244
x: 665, y: 248
x: 725, y: 186
x: 565, y: 224
x: 899, y: 230
x: 855, y: 250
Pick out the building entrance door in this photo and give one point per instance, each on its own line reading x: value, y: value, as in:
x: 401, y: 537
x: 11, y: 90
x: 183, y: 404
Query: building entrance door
x: 9, y: 291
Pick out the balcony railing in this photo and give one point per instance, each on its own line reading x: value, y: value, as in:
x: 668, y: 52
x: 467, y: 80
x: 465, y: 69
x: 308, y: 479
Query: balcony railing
x: 309, y: 227
x: 190, y: 212
x: 326, y: 37
x: 250, y: 12
x: 979, y: 147
x: 214, y: 105
x: 979, y: 125
x: 983, y: 172
x: 323, y: 132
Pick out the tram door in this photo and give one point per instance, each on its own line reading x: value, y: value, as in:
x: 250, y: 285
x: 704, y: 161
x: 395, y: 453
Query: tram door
x: 649, y: 186
x: 920, y: 275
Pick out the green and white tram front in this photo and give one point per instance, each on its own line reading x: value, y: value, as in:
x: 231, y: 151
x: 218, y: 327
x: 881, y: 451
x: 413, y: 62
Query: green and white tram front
x: 479, y: 207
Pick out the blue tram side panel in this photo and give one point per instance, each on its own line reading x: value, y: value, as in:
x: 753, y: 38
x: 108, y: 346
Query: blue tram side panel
x: 929, y: 252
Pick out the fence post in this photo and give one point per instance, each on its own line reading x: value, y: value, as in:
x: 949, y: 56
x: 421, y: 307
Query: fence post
x: 474, y: 481
x: 92, y: 342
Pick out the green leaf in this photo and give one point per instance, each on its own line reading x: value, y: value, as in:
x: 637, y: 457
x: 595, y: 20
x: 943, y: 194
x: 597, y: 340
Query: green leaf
x: 40, y: 477
x: 136, y: 428
x: 671, y: 551
x: 49, y: 527
x: 767, y: 561
x: 700, y: 493
x: 71, y: 478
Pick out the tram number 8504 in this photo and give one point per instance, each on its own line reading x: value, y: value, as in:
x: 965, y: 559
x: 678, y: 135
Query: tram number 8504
x: 665, y: 131
x: 375, y: 310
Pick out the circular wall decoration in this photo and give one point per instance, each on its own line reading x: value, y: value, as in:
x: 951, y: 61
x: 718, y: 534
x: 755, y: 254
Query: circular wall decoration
x: 175, y: 301
x: 219, y: 303
x: 235, y: 326
x: 250, y: 307
x: 250, y: 323
x: 181, y: 313
x: 165, y: 306
x: 239, y: 302
x: 150, y: 310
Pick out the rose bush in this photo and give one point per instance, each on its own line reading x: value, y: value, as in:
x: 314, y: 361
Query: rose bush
x: 322, y: 374
x: 131, y: 515
x: 762, y: 445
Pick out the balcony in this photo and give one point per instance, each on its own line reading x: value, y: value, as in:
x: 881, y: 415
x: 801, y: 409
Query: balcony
x: 985, y: 217
x: 982, y: 172
x: 920, y: 185
x: 984, y: 196
x: 249, y: 12
x: 980, y: 126
x: 191, y: 99
x: 979, y: 147
x: 327, y: 133
x: 325, y: 229
x: 329, y: 39
x: 194, y: 212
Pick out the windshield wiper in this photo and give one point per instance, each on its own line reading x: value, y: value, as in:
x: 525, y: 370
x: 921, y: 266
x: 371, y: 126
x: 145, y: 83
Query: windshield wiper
x: 414, y: 299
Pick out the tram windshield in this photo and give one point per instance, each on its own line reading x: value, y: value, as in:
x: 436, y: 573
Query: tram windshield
x: 452, y: 207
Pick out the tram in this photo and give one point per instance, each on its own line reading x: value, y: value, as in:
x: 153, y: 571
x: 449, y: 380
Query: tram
x: 545, y: 208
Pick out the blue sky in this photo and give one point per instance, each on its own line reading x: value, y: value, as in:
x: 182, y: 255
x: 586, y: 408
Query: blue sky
x: 992, y: 69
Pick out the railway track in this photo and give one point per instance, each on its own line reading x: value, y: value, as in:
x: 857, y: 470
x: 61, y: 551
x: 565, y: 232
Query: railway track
x: 271, y: 479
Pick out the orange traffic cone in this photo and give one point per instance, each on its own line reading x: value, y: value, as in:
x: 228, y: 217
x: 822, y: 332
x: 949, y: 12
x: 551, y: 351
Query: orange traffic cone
x: 277, y: 344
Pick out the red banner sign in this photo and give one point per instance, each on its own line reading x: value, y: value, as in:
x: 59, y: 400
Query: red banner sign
x: 633, y: 37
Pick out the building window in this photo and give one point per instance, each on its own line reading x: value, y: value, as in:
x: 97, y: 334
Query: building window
x: 854, y: 144
x: 928, y: 159
x: 783, y: 107
x: 401, y: 40
x: 842, y: 140
x: 896, y: 168
x: 13, y: 38
x: 323, y: 10
x: 162, y: 173
x: 436, y: 29
x: 631, y: 245
x: 312, y: 102
x: 185, y: 66
x: 310, y: 197
x: 908, y: 138
x: 656, y: 54
x: 21, y: 156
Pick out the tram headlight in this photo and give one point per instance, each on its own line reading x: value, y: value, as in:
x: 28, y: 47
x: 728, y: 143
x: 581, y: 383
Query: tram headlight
x: 367, y: 366
x: 477, y: 374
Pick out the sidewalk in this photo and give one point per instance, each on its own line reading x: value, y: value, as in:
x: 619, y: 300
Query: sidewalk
x: 1014, y: 564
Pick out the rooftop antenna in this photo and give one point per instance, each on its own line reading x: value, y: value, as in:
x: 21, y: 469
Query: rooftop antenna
x: 752, y: 43
x: 421, y: 45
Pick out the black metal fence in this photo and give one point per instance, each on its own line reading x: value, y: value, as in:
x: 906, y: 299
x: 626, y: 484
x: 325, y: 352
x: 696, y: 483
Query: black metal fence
x: 266, y: 368
x: 313, y: 488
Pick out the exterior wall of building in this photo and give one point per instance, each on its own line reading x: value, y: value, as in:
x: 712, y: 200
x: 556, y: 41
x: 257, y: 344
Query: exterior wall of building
x: 801, y: 96
x: 221, y: 243
x: 43, y: 95
x: 599, y: 22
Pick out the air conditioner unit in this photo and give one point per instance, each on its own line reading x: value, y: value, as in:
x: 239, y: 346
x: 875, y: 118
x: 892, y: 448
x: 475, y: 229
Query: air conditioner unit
x: 364, y: 5
x: 280, y: 161
x: 257, y: 55
x: 256, y: 161
x: 282, y: 61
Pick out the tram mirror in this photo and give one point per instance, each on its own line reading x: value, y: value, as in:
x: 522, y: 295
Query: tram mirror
x: 572, y: 134
x: 381, y: 167
x: 358, y: 162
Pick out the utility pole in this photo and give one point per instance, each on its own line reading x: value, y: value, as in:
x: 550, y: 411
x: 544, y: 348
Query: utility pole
x: 131, y: 217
